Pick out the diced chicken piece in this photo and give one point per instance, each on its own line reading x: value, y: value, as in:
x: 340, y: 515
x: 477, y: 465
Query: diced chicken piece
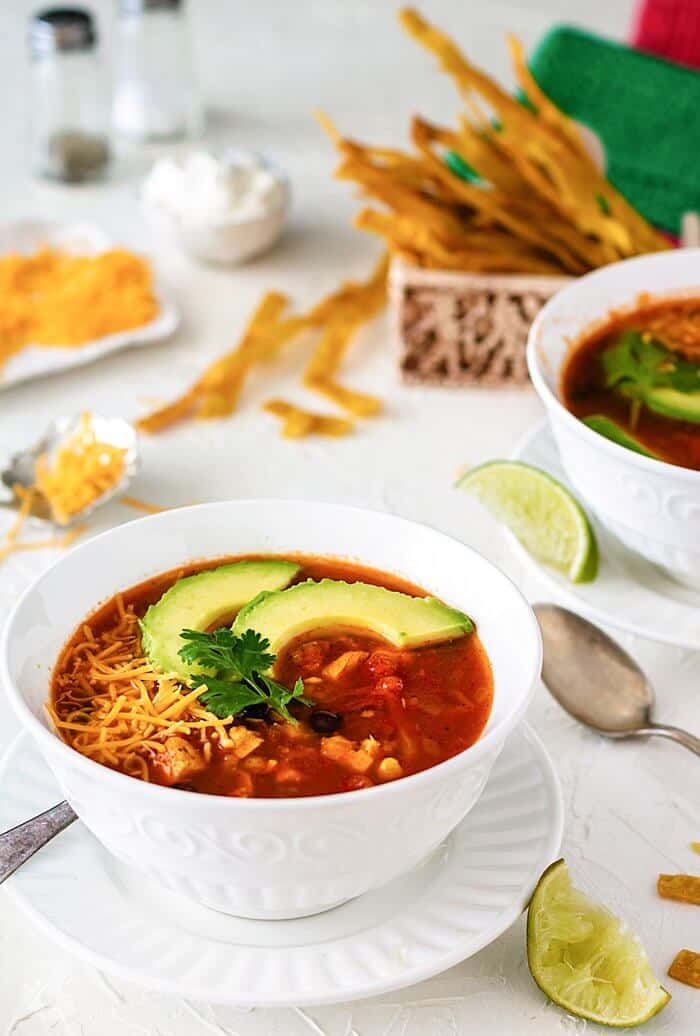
x: 242, y: 787
x: 343, y: 752
x: 286, y: 774
x: 180, y: 760
x: 241, y: 741
x: 311, y: 656
x: 389, y: 769
x: 258, y: 764
x: 344, y: 664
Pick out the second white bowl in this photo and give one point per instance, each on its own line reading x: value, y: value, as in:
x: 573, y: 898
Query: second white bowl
x: 652, y: 506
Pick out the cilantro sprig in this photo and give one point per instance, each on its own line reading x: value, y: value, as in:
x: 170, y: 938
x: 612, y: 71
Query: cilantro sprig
x: 234, y: 673
x: 638, y: 363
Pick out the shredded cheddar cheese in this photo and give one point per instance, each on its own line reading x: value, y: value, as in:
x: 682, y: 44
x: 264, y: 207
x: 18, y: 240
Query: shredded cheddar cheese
x: 141, y: 505
x: 11, y: 543
x: 83, y: 470
x: 56, y: 299
x: 111, y: 705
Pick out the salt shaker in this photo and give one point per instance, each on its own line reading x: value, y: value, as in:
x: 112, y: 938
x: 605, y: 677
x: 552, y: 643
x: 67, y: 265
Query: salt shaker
x: 155, y: 96
x: 69, y: 110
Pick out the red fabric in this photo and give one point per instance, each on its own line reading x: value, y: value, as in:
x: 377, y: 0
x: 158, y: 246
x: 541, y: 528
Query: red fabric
x: 670, y: 29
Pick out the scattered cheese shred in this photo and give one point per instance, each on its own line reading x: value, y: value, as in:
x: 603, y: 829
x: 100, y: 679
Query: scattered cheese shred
x: 141, y: 505
x: 111, y: 705
x: 337, y: 317
x: 297, y: 422
x: 56, y: 299
x: 83, y: 470
x: 11, y: 543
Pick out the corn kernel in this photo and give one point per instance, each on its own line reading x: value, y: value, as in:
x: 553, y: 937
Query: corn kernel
x: 389, y: 769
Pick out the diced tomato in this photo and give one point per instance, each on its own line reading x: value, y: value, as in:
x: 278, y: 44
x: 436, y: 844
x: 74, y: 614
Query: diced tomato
x: 390, y: 685
x: 357, y: 781
x: 383, y: 663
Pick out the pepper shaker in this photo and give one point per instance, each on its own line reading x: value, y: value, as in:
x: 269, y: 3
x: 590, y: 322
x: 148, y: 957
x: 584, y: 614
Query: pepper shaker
x: 155, y: 97
x: 69, y: 140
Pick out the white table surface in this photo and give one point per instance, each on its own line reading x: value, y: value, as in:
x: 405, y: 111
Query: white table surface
x: 631, y: 809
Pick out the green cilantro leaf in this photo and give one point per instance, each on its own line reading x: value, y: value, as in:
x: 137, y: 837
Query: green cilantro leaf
x: 224, y: 698
x: 638, y: 363
x: 235, y: 673
x: 222, y: 650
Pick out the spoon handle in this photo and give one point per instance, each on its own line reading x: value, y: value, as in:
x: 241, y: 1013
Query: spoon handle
x: 674, y: 734
x: 21, y: 842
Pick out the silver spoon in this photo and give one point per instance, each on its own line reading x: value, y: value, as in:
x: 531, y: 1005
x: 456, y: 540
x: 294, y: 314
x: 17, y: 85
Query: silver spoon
x: 596, y: 681
x: 21, y: 469
x: 21, y: 842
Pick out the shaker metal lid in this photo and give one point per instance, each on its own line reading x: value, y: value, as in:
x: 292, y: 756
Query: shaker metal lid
x: 139, y: 6
x: 61, y: 29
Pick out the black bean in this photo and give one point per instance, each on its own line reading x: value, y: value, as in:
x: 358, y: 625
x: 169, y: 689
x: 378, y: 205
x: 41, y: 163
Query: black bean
x: 253, y: 712
x: 325, y: 722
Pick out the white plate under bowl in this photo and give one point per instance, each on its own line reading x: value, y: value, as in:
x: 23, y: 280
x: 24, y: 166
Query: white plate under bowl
x: 469, y: 891
x: 628, y: 592
x: 35, y: 361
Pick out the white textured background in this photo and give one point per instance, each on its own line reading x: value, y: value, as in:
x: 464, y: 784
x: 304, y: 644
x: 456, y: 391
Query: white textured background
x: 631, y: 809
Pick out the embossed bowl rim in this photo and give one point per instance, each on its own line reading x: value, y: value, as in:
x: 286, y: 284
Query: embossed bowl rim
x: 562, y: 308
x: 527, y: 640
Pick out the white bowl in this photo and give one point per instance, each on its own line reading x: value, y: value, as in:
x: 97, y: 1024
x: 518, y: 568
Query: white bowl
x: 652, y: 506
x: 270, y: 858
x: 224, y: 242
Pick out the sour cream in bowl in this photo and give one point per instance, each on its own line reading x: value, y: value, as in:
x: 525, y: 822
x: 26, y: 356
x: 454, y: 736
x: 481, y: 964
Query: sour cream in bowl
x: 222, y: 210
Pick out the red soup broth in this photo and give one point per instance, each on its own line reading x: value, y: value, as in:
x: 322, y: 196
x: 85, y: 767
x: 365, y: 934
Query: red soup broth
x: 379, y: 713
x: 584, y: 393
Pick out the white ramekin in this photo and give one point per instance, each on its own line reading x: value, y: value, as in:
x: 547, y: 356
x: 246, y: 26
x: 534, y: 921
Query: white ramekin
x: 221, y: 242
x: 270, y: 858
x: 652, y: 506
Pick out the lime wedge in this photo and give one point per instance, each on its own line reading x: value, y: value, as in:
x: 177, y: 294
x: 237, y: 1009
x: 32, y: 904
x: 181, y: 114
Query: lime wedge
x: 544, y: 516
x: 585, y: 960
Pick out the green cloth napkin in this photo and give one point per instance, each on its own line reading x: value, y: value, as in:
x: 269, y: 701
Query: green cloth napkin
x: 645, y: 110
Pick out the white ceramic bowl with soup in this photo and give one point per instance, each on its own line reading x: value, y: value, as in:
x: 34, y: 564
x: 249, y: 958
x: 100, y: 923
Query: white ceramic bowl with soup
x: 265, y: 857
x: 652, y: 506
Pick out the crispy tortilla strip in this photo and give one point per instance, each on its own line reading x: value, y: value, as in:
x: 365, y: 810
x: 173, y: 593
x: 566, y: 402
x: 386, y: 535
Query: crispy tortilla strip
x: 358, y: 403
x: 543, y: 153
x: 683, y: 887
x: 338, y: 315
x: 297, y: 422
x: 546, y: 110
x: 345, y: 312
x: 170, y: 414
x: 215, y: 393
x: 488, y: 252
x: 695, y: 846
x: 686, y: 968
x: 575, y: 255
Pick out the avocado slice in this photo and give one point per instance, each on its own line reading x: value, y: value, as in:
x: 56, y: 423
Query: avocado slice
x: 197, y: 602
x: 683, y: 406
x: 403, y: 620
x: 610, y: 430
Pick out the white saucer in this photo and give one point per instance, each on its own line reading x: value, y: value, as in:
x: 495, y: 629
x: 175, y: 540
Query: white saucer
x: 466, y: 894
x: 628, y: 592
